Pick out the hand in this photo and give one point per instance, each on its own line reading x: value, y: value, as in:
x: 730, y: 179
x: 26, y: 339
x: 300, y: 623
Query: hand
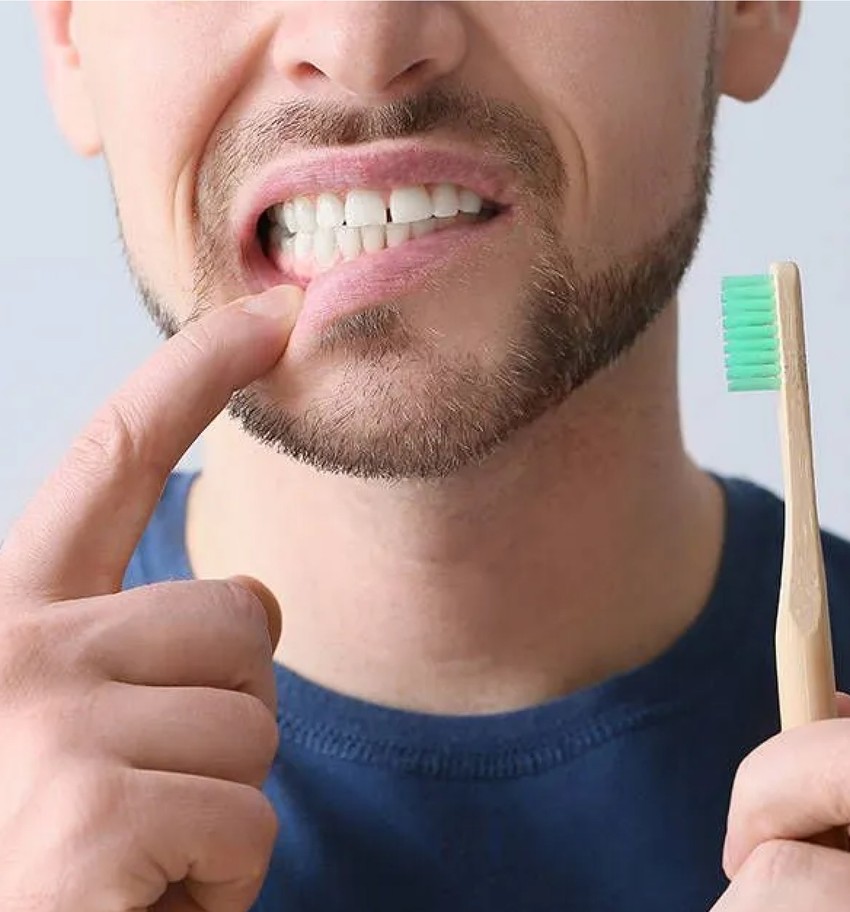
x: 795, y: 787
x: 137, y: 727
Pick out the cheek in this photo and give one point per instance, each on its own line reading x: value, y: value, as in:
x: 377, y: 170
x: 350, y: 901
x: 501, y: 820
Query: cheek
x: 623, y: 98
x: 160, y: 84
x: 642, y: 151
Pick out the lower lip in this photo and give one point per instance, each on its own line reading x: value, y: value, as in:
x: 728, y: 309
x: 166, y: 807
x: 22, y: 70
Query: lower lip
x: 358, y: 284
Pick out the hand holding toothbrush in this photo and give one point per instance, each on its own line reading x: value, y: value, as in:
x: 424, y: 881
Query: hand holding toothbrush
x: 788, y: 822
x: 788, y: 791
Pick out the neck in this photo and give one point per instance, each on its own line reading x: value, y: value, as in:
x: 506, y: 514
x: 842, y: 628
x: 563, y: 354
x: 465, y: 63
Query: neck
x: 582, y: 548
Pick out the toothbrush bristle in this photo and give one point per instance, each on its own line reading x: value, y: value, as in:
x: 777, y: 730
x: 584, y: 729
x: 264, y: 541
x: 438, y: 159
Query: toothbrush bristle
x: 751, y: 334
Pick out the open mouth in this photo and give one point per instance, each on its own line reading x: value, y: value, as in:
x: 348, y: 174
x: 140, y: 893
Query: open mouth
x: 307, y: 235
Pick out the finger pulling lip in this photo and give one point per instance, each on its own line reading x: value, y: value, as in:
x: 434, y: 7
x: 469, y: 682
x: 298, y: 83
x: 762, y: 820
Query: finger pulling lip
x: 372, y: 278
x: 369, y: 278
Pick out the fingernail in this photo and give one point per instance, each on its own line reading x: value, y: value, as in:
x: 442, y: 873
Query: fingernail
x: 270, y: 603
x: 280, y: 301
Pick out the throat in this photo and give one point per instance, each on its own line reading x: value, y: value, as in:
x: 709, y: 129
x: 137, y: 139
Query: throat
x: 523, y: 612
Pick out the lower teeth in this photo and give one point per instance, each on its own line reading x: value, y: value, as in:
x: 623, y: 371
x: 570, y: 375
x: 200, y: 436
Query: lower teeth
x: 315, y: 251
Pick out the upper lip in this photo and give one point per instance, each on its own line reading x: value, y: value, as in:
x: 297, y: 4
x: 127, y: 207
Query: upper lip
x: 375, y: 166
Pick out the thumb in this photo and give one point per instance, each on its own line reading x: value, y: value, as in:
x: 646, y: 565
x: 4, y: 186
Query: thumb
x: 269, y: 602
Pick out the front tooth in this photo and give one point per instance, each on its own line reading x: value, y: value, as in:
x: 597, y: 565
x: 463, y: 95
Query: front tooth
x: 374, y: 237
x: 469, y: 202
x: 304, y: 214
x: 324, y: 246
x: 410, y: 204
x: 364, y: 208
x: 289, y: 217
x: 418, y: 229
x: 446, y: 201
x: 303, y: 245
x: 349, y: 242
x: 330, y: 211
x: 397, y: 234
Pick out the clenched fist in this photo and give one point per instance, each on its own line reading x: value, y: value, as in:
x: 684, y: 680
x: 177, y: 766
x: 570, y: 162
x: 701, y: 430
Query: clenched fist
x: 137, y: 727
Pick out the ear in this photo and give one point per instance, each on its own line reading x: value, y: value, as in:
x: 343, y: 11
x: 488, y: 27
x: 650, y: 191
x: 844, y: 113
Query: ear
x: 63, y: 75
x: 756, y: 36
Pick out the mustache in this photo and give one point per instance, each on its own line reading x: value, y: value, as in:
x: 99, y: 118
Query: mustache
x: 497, y: 127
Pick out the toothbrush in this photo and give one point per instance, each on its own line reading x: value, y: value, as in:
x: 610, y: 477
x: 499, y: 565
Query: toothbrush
x: 765, y: 350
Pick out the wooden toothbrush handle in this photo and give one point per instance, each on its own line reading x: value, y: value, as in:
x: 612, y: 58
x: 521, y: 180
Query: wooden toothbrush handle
x: 804, y: 663
x: 804, y: 660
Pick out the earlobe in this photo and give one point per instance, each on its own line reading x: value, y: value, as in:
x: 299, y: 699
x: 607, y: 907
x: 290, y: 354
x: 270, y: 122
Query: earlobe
x: 755, y: 38
x: 63, y: 74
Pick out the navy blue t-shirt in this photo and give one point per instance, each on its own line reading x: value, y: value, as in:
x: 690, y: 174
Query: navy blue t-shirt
x: 612, y: 799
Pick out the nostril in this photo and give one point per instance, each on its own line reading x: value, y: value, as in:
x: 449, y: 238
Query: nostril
x: 415, y: 69
x: 307, y: 72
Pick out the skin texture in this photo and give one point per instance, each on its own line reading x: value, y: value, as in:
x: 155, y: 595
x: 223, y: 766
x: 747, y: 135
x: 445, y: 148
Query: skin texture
x: 423, y: 574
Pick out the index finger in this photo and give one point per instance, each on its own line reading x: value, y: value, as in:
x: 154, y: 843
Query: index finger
x: 78, y: 533
x: 794, y: 786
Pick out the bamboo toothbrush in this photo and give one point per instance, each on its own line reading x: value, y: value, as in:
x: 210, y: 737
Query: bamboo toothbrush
x: 765, y: 350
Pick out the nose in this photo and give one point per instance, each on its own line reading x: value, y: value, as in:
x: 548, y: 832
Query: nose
x: 376, y: 51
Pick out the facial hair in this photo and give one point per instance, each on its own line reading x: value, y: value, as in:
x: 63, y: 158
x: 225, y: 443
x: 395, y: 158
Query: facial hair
x: 402, y: 409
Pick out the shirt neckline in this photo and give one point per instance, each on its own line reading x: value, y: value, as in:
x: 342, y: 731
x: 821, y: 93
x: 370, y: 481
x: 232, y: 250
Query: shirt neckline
x: 530, y: 740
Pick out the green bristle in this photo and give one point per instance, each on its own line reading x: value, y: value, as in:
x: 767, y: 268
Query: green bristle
x: 750, y: 331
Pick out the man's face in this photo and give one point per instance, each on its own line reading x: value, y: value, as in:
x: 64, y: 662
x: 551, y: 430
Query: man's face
x: 582, y: 130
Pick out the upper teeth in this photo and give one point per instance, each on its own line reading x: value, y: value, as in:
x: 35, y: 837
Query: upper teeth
x: 361, y: 208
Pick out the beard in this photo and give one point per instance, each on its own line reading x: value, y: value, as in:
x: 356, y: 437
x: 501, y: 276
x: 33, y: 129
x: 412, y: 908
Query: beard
x: 402, y: 408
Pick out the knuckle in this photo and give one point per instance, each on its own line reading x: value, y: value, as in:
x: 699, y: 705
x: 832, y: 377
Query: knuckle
x: 253, y: 729
x: 24, y: 655
x: 253, y: 817
x: 777, y: 862
x: 117, y: 436
x: 109, y: 438
x: 78, y: 791
x: 12, y: 586
x: 43, y: 693
x: 194, y: 339
x: 834, y: 773
x: 91, y: 797
x: 263, y: 732
x: 248, y: 614
x: 748, y: 772
x: 266, y: 823
x: 50, y: 733
x: 106, y: 797
x: 748, y: 805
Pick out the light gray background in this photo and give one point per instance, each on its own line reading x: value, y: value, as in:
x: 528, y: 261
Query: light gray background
x: 71, y: 329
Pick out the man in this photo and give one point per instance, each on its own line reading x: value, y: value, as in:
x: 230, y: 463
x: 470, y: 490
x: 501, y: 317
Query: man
x: 434, y: 248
